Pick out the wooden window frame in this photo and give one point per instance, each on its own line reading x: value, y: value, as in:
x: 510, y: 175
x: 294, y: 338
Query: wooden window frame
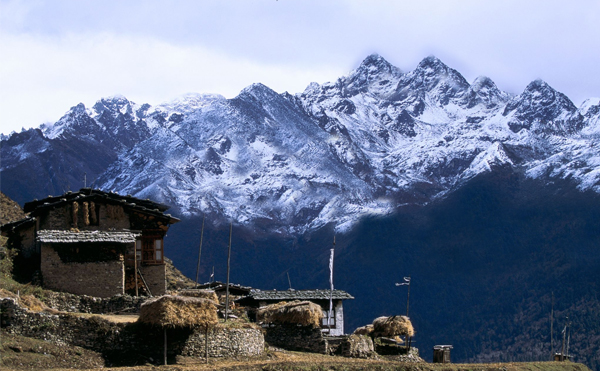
x: 324, y: 324
x: 152, y: 249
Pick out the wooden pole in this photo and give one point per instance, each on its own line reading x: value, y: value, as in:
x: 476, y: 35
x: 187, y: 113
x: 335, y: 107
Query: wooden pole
x: 552, y: 329
x: 562, y: 352
x: 568, y: 337
x: 206, y: 344
x: 408, y: 296
x: 165, y: 353
x: 329, y: 313
x: 407, y: 301
x: 200, y: 249
x: 228, y: 264
x: 135, y: 268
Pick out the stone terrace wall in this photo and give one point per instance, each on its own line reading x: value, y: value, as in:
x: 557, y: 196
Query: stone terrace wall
x: 225, y: 342
x: 125, y: 344
x: 89, y: 304
x: 293, y: 337
x: 102, y: 279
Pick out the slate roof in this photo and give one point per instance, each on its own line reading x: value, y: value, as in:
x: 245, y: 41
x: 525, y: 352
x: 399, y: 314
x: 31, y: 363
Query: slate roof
x: 218, y: 286
x: 55, y: 236
x: 298, y: 295
x: 96, y: 195
x: 17, y: 224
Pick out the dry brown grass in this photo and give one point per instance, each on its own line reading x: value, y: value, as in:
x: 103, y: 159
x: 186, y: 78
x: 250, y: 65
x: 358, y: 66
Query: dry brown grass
x: 364, y: 330
x: 178, y: 311
x: 303, y: 313
x: 10, y: 211
x: 392, y: 326
x: 205, y: 294
x: 28, y: 301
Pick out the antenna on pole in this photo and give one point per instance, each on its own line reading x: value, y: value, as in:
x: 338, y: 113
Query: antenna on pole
x: 406, y: 283
x: 200, y: 249
x: 289, y: 282
x: 84, y: 180
x: 228, y: 264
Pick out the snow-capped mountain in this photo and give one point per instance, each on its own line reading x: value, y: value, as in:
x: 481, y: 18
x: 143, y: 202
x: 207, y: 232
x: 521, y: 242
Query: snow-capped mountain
x: 364, y: 144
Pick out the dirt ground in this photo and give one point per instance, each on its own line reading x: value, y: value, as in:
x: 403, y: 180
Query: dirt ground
x: 116, y: 318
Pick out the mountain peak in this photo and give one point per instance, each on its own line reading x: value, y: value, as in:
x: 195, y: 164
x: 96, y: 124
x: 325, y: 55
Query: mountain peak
x: 482, y: 82
x: 375, y: 60
x: 258, y: 91
x: 432, y: 62
x: 374, y: 65
x: 374, y: 75
x: 539, y: 94
x: 114, y: 104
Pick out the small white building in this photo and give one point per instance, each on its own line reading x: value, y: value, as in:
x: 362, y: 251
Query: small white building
x: 335, y: 327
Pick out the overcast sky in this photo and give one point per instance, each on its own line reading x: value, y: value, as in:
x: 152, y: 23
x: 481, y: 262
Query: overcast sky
x: 55, y: 54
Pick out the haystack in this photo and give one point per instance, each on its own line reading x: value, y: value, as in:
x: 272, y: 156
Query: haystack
x: 364, y: 330
x: 392, y: 326
x: 179, y: 311
x: 196, y: 293
x: 297, y: 312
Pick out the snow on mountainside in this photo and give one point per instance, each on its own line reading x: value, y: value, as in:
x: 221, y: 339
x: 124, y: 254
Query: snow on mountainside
x: 364, y: 144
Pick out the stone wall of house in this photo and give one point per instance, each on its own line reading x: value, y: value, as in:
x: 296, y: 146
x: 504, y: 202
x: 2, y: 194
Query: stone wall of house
x: 112, y: 216
x: 294, y: 337
x: 59, y: 218
x: 27, y: 242
x: 124, y: 344
x: 101, y: 279
x: 155, y: 276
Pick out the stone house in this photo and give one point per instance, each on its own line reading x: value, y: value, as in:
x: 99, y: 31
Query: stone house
x: 335, y: 327
x: 92, y: 242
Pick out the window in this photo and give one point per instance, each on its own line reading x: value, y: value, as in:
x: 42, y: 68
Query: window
x: 151, y: 249
x: 331, y: 320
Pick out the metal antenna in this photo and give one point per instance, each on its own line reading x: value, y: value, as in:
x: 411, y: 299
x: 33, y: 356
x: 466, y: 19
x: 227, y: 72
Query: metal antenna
x: 84, y: 180
x: 406, y: 283
x: 289, y: 282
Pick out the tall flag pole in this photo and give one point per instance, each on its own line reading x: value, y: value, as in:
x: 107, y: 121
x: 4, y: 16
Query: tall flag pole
x: 331, y: 284
x: 200, y: 249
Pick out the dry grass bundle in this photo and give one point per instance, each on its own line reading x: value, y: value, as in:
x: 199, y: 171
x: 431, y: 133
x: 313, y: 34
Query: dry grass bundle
x: 32, y: 303
x: 86, y: 214
x: 364, y: 330
x: 8, y: 294
x: 75, y: 211
x: 28, y: 301
x: 303, y: 313
x: 195, y: 293
x: 392, y: 326
x: 178, y: 311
